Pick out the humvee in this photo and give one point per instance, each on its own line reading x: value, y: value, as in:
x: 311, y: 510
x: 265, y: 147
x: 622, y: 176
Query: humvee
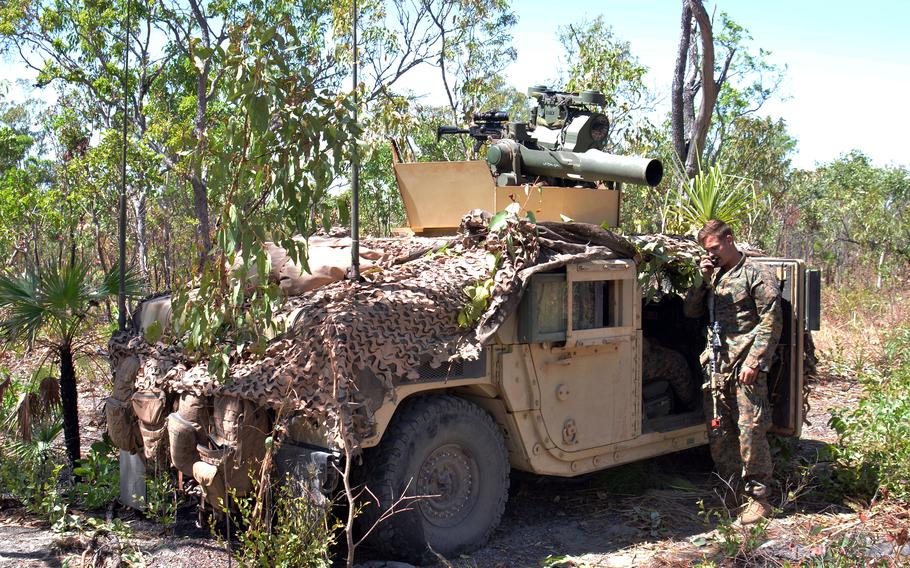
x: 559, y: 389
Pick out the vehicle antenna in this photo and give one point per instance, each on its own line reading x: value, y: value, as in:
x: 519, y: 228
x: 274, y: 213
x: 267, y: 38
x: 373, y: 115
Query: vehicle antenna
x: 355, y: 175
x: 121, y: 293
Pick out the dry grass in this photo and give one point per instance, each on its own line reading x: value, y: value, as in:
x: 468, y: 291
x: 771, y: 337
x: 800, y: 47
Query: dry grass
x: 856, y: 321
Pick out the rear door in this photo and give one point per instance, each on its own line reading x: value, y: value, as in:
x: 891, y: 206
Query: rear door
x: 786, y: 379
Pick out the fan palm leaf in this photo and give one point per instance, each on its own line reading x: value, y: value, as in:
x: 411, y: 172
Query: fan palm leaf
x: 20, y: 303
x: 56, y: 300
x: 53, y: 304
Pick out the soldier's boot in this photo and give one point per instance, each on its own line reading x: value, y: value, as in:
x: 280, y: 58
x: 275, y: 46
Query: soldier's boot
x: 757, y: 509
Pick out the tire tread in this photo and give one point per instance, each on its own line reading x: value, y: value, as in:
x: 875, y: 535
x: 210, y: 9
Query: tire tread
x: 409, y: 422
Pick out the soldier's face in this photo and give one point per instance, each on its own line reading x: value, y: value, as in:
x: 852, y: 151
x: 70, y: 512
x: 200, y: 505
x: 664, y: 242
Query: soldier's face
x: 721, y: 250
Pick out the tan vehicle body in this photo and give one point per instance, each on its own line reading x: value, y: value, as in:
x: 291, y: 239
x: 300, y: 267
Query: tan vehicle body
x: 574, y: 405
x: 571, y: 405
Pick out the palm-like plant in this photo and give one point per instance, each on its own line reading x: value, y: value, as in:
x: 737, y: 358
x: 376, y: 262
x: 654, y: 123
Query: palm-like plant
x: 712, y: 194
x: 51, y: 307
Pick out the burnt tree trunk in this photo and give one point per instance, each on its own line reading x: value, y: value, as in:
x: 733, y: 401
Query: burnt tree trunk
x: 690, y: 128
x: 679, y: 74
x: 69, y: 399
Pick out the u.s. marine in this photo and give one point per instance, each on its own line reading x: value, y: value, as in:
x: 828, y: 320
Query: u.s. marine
x: 743, y: 304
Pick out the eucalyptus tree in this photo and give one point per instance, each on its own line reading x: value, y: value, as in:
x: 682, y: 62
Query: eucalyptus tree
x: 595, y: 58
x: 78, y: 48
x: 851, y: 217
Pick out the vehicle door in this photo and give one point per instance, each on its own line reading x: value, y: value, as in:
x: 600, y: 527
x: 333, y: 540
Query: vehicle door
x: 800, y: 304
x: 584, y: 332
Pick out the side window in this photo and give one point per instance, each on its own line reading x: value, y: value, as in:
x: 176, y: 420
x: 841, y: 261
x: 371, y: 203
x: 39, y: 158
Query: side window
x: 542, y: 314
x: 550, y: 298
x: 595, y: 304
x: 603, y: 297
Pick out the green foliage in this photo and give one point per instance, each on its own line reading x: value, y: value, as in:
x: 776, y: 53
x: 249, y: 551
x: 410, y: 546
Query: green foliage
x: 13, y: 146
x: 480, y: 293
x: 873, y: 453
x: 478, y: 299
x: 30, y: 473
x: 712, y: 194
x: 847, y: 551
x: 751, y: 80
x: 296, y: 532
x: 39, y: 449
x: 734, y: 541
x: 596, y: 59
x: 54, y: 301
x: 161, y: 500
x: 558, y: 561
x: 662, y: 271
x: 279, y: 149
x: 100, y: 473
x: 381, y: 208
x: 848, y: 216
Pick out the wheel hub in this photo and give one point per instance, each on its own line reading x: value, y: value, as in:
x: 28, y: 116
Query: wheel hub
x: 448, y: 480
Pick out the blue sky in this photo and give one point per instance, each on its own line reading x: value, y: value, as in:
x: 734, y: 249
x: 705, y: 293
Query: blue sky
x: 848, y: 78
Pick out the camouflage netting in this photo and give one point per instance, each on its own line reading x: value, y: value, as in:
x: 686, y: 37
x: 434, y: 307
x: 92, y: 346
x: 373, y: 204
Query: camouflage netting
x: 348, y: 344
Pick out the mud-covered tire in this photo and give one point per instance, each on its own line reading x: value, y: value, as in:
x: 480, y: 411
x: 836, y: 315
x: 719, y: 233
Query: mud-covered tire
x: 436, y: 445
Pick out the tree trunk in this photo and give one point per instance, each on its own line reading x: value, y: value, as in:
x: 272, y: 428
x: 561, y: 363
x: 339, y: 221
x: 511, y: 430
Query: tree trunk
x: 99, y: 250
x: 36, y: 242
x: 167, y: 255
x: 708, y: 88
x: 69, y: 398
x: 201, y: 207
x: 139, y: 210
x: 881, y: 262
x: 689, y: 129
x: 676, y: 117
x: 200, y: 191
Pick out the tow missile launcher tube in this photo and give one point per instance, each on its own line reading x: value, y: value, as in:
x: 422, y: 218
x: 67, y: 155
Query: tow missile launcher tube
x: 590, y: 166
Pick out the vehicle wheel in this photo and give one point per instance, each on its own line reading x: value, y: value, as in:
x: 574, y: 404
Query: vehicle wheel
x: 450, y: 454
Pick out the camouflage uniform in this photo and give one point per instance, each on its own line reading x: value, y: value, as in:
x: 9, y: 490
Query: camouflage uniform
x: 747, y: 306
x: 661, y: 363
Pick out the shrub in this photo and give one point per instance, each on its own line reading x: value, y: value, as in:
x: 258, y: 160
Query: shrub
x: 874, y: 448
x: 296, y: 532
x: 100, y: 473
x: 161, y: 501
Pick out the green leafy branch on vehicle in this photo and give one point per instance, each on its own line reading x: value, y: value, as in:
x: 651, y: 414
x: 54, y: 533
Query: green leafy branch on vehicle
x: 665, y: 271
x: 479, y: 294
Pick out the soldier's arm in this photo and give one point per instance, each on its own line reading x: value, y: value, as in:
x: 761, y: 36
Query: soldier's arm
x: 694, y: 303
x: 766, y: 333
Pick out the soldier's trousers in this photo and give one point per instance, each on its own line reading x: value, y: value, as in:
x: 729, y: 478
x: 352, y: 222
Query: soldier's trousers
x: 740, y: 445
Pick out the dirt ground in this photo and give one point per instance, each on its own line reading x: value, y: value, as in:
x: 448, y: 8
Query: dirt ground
x: 644, y: 514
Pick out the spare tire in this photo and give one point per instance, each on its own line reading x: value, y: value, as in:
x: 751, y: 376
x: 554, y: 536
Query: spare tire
x: 447, y: 458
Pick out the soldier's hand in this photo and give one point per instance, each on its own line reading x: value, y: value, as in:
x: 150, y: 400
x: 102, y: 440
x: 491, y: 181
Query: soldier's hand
x: 706, y: 265
x: 748, y: 375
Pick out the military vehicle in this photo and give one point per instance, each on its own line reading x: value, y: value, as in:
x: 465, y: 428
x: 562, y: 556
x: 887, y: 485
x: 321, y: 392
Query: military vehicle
x: 562, y: 387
